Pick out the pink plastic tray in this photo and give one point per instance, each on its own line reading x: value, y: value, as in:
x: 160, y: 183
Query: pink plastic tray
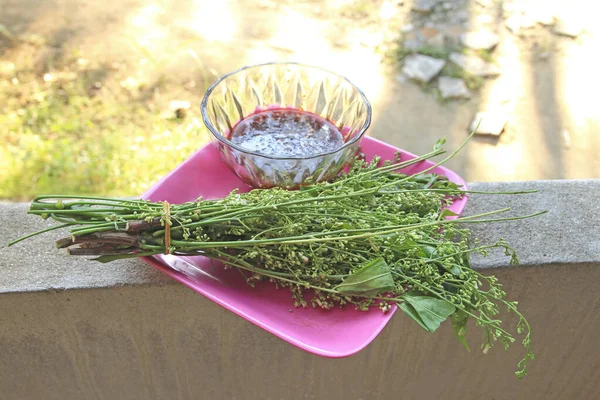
x: 333, y: 333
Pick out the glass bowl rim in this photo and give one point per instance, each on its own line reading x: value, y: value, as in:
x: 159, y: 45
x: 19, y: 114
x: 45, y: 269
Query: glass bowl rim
x: 219, y: 137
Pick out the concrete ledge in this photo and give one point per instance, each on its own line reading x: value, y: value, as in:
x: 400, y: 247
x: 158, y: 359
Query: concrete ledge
x: 167, y: 342
x: 568, y: 234
x: 125, y: 331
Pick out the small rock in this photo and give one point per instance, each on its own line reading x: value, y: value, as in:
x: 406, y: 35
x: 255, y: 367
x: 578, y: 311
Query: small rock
x: 407, y: 28
x: 448, y: 6
x: 424, y: 6
x: 453, y: 88
x: 474, y: 65
x: 422, y: 68
x: 480, y: 40
x: 490, y: 123
x: 567, y: 27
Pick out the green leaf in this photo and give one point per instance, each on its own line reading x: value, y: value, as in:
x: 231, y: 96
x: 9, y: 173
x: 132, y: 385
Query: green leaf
x: 373, y: 278
x: 431, y: 181
x: 454, y: 270
x: 459, y: 323
x: 448, y: 213
x: 428, y: 251
x: 411, y: 312
x: 432, y: 311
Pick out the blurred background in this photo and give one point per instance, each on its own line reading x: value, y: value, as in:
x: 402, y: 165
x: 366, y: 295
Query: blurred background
x: 103, y: 97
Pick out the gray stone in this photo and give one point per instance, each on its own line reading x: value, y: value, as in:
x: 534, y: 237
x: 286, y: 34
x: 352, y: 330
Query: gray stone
x: 480, y: 40
x: 451, y: 88
x: 424, y: 6
x: 489, y: 123
x: 422, y: 68
x: 474, y: 65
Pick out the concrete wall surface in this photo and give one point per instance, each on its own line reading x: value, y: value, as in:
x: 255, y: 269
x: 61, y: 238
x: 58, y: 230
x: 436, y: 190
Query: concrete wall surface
x: 72, y: 329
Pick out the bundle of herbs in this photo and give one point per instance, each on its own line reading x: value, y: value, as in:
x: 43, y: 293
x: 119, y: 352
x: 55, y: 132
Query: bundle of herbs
x: 371, y: 237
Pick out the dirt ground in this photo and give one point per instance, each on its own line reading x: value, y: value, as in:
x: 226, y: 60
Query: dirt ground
x: 549, y: 84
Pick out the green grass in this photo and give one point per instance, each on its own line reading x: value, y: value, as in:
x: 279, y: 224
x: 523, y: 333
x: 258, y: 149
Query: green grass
x: 58, y: 137
x: 485, y: 55
x: 452, y: 70
x: 433, y: 51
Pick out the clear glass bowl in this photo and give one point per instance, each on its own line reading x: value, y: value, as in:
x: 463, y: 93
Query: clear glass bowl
x: 285, y: 85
